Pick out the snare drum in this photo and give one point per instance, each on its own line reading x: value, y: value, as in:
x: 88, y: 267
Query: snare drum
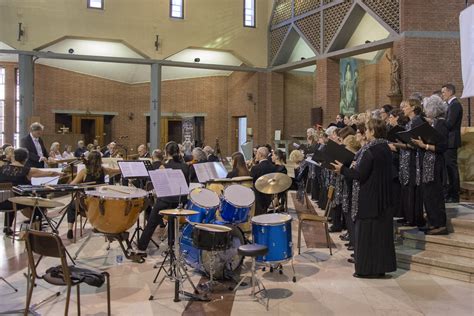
x: 273, y: 231
x: 236, y: 203
x: 205, y: 202
x: 114, y: 209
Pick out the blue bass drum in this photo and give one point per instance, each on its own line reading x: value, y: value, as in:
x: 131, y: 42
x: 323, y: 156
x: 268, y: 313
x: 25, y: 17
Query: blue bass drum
x: 273, y: 231
x: 192, y: 255
x: 236, y: 203
x: 227, y: 260
x: 204, y: 201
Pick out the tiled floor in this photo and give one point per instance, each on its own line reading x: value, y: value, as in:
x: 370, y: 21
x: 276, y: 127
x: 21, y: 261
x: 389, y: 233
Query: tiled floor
x: 324, y: 286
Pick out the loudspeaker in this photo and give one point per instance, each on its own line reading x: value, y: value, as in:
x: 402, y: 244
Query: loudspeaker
x: 316, y: 116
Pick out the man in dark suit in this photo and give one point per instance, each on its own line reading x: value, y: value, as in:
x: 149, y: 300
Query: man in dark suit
x: 263, y: 167
x: 80, y: 150
x: 453, y: 120
x: 37, y: 153
x: 143, y: 151
x: 211, y: 157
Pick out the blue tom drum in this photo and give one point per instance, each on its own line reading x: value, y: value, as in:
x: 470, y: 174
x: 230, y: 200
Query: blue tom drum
x: 205, y: 202
x: 236, y: 203
x: 273, y: 231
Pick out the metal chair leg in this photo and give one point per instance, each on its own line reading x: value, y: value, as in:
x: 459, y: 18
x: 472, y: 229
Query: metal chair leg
x: 299, y: 235
x: 68, y: 296
x: 328, y: 238
x: 78, y: 300
x: 31, y: 285
x: 107, y: 277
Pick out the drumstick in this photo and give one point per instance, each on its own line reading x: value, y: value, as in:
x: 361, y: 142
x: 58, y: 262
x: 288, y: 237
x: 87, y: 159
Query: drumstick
x: 116, y: 190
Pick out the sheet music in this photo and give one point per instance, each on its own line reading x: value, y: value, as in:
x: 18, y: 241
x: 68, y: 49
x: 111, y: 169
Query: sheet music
x: 210, y: 170
x: 46, y: 180
x: 168, y: 182
x: 133, y: 169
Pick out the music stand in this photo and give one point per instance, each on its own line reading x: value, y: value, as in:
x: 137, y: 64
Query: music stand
x: 171, y: 182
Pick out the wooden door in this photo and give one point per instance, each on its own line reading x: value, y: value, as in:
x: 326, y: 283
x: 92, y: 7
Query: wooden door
x: 78, y: 123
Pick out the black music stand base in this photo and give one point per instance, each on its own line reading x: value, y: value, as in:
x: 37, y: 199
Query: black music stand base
x: 176, y: 272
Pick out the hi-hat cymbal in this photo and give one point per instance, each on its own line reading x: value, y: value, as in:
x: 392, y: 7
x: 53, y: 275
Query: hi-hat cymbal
x: 178, y: 212
x: 35, y: 201
x: 273, y: 183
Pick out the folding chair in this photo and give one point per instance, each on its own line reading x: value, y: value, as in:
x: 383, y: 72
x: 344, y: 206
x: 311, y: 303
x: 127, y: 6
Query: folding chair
x: 50, y: 245
x: 319, y: 219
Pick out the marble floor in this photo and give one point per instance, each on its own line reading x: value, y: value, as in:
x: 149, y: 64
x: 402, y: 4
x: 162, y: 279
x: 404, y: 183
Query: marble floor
x: 324, y: 286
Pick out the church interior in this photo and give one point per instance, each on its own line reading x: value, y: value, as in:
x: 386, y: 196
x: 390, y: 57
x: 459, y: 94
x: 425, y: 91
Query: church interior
x: 107, y: 107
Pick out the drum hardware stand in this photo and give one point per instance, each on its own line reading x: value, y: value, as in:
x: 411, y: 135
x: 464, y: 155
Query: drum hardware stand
x: 279, y: 267
x: 209, y: 285
x: 255, y: 281
x: 178, y: 273
x: 9, y: 284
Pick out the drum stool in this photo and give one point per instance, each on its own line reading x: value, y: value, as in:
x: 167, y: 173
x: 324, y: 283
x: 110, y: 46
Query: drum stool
x: 253, y: 251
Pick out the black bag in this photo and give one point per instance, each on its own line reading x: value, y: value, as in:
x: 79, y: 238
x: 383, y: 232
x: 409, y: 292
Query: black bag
x: 91, y: 277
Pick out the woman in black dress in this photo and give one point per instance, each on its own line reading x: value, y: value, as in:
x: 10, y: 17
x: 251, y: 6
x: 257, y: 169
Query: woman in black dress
x: 396, y: 118
x: 279, y: 159
x: 432, y: 168
x: 239, y: 166
x: 93, y: 172
x: 17, y: 173
x: 372, y: 203
x: 410, y: 173
x: 173, y: 160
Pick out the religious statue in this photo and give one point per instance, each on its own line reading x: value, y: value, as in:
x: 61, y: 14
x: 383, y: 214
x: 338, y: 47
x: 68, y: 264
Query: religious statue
x: 394, y: 75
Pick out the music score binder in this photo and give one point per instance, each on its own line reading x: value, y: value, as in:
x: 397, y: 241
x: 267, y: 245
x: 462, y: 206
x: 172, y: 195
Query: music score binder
x: 332, y: 152
x: 392, y: 133
x: 428, y: 134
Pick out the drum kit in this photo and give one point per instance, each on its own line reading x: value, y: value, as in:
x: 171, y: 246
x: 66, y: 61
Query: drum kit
x: 210, y: 238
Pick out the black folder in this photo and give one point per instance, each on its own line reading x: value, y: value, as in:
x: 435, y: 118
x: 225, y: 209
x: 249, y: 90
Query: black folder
x: 428, y: 134
x: 332, y: 152
x: 392, y: 133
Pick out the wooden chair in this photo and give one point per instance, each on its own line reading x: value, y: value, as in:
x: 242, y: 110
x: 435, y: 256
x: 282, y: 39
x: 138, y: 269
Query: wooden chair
x: 50, y: 245
x: 319, y: 219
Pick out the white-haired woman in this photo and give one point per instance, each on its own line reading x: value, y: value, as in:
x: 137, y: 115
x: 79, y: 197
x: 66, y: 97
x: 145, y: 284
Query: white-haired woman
x: 199, y: 156
x: 54, y: 151
x: 432, y: 167
x: 55, y: 154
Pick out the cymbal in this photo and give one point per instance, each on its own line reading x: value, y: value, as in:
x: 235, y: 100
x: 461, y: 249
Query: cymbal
x: 273, y: 183
x: 35, y: 201
x: 178, y: 212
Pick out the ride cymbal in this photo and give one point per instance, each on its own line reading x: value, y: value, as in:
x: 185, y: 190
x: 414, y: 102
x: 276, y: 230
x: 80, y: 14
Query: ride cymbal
x: 273, y: 183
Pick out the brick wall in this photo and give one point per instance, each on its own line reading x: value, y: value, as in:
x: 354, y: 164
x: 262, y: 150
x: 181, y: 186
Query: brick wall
x: 298, y: 103
x: 60, y: 89
x: 374, y: 84
x: 326, y: 92
x: 428, y: 62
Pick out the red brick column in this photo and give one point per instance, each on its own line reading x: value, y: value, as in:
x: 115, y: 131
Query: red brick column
x: 326, y: 90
